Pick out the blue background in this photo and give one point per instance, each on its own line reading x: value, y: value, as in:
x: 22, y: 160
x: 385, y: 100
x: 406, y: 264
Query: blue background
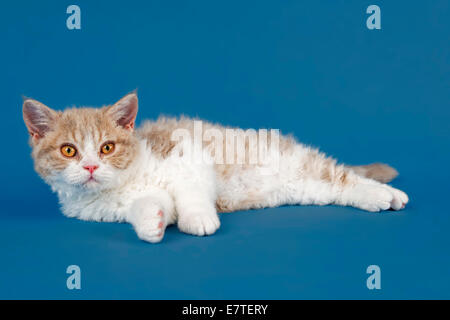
x: 311, y: 68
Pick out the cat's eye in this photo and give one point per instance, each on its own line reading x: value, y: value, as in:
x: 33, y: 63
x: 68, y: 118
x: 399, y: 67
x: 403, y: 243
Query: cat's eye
x: 107, y: 148
x: 68, y: 151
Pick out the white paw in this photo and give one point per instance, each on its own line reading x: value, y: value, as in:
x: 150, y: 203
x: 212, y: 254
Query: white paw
x: 150, y: 225
x: 378, y: 197
x: 199, y: 222
x: 399, y: 200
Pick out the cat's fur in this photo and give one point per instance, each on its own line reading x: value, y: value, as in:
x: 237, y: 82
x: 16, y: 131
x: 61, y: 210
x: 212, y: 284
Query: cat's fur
x: 150, y: 182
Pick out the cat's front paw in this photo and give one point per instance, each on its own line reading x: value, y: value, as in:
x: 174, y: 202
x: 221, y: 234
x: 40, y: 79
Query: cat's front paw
x: 199, y: 222
x: 150, y: 224
x: 375, y: 198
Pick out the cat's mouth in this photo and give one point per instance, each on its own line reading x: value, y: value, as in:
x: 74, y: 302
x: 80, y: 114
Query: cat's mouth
x: 90, y: 182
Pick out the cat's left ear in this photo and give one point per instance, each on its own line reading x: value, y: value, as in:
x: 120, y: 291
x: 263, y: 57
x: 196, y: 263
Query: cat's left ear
x: 124, y: 111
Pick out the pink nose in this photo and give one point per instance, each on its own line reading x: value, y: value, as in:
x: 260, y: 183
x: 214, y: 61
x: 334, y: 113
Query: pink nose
x: 90, y: 168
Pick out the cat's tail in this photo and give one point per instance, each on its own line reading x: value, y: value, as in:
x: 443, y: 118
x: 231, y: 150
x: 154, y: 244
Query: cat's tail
x: 377, y: 171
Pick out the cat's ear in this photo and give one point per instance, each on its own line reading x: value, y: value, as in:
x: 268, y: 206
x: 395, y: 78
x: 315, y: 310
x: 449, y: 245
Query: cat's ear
x: 38, y: 118
x: 124, y: 111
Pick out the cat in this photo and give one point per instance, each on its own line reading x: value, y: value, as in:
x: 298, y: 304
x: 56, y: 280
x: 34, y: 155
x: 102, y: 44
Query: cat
x: 104, y: 169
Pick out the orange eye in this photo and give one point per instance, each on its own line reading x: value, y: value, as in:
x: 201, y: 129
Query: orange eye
x: 107, y: 148
x: 68, y: 151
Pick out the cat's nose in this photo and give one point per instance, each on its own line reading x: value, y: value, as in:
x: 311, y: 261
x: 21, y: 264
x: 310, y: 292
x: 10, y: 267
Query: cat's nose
x: 90, y: 168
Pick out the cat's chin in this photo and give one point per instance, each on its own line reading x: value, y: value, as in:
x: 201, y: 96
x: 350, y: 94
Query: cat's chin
x: 91, y: 184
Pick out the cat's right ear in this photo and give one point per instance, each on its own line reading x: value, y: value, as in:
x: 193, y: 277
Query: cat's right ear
x: 38, y: 118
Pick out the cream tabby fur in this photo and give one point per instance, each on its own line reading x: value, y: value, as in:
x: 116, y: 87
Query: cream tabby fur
x: 150, y: 181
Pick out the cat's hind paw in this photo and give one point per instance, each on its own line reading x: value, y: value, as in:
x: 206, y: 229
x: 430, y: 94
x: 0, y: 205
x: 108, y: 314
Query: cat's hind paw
x: 399, y: 198
x: 375, y: 198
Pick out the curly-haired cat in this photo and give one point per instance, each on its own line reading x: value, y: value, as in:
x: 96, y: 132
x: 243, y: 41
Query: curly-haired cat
x: 104, y: 169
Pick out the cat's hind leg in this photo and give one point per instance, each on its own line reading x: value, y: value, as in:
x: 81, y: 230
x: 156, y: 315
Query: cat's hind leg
x: 323, y: 181
x: 372, y: 196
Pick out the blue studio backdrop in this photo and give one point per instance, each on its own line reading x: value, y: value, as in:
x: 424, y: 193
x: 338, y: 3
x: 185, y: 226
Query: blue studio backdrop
x: 311, y: 68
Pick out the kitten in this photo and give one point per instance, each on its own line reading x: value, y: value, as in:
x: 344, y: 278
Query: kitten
x: 104, y: 170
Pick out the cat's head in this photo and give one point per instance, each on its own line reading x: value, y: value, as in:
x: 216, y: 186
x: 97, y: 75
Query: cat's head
x: 83, y: 148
